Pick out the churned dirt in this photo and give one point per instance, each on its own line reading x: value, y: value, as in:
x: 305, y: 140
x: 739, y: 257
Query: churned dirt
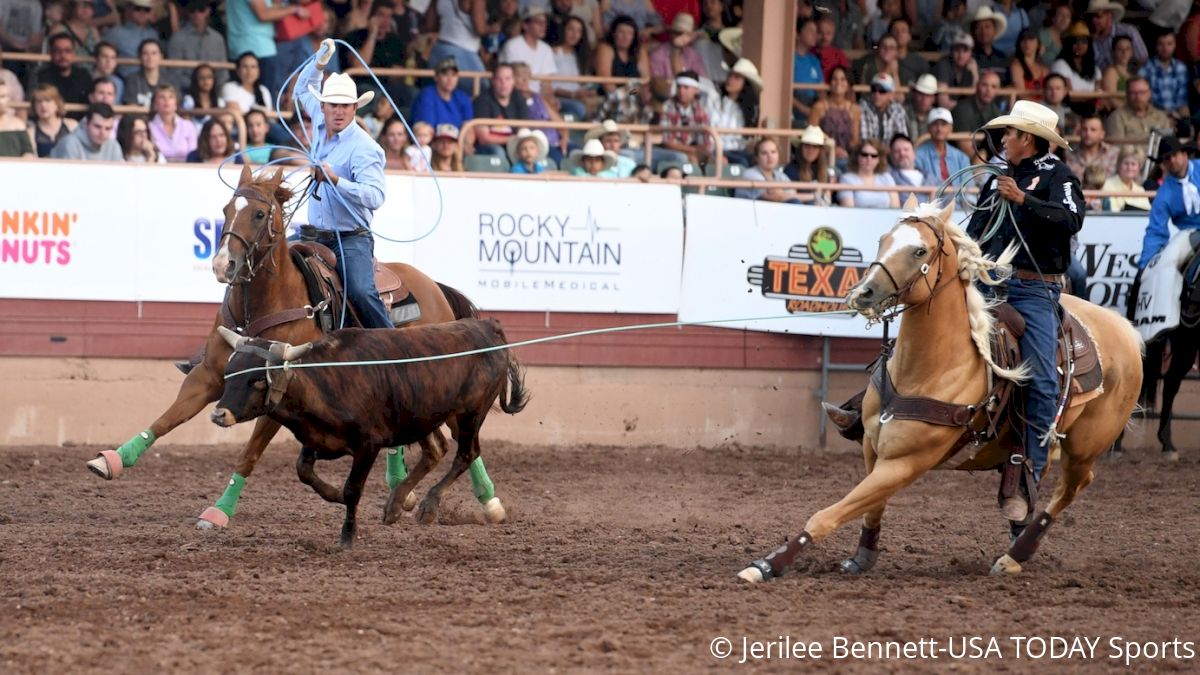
x: 612, y: 559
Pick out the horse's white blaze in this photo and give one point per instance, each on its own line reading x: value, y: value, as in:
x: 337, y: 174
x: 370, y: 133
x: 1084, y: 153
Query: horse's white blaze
x: 221, y: 260
x: 905, y: 238
x: 239, y: 204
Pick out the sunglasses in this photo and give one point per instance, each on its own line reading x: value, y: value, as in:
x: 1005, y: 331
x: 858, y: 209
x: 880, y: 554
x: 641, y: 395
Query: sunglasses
x: 872, y: 155
x: 141, y: 9
x: 879, y: 90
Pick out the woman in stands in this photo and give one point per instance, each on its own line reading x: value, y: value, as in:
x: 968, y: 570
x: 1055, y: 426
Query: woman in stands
x: 257, y: 151
x: 1051, y: 35
x: 838, y: 114
x: 1129, y: 169
x: 244, y: 89
x: 140, y: 86
x: 79, y: 25
x: 202, y: 93
x: 14, y: 137
x: 810, y: 164
x: 49, y: 123
x: 621, y: 55
x: 766, y: 168
x: 173, y: 135
x: 573, y: 56
x: 868, y: 166
x: 1027, y: 70
x: 133, y: 134
x: 394, y: 141
x: 1077, y: 62
x: 446, y: 156
x: 214, y: 144
x: 1118, y: 73
x: 736, y: 108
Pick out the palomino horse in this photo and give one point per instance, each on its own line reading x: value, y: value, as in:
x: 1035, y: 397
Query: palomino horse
x: 264, y: 282
x: 930, y: 266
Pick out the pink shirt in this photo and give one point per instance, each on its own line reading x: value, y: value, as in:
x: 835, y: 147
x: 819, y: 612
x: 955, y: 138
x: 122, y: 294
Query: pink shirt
x: 177, y: 146
x: 660, y: 61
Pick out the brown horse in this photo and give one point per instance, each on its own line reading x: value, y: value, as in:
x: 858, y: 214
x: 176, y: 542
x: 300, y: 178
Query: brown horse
x: 255, y: 261
x: 929, y: 265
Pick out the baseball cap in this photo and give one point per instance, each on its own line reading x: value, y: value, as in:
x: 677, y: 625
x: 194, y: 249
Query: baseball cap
x: 883, y: 82
x: 448, y: 63
x: 939, y: 115
x: 963, y: 40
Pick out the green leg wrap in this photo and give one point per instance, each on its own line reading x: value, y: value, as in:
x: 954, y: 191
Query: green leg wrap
x: 134, y: 447
x: 481, y: 485
x: 228, y: 501
x: 396, y: 470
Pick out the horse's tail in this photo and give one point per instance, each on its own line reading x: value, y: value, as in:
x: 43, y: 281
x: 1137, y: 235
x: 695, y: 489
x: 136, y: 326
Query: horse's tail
x: 515, y: 389
x: 1152, y: 373
x: 461, y: 305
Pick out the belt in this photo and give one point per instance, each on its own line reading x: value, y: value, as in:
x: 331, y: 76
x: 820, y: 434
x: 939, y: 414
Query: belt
x: 1029, y: 275
x: 311, y: 233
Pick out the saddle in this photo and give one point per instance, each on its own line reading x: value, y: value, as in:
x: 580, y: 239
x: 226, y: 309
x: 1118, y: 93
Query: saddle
x: 318, y: 264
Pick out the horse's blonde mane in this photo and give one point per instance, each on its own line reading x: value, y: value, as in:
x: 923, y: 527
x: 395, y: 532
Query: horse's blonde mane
x: 973, y: 267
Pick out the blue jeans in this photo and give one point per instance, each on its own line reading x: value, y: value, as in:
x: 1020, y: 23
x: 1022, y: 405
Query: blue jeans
x: 1038, y: 303
x: 573, y: 107
x: 356, y: 269
x: 1078, y: 276
x: 467, y: 60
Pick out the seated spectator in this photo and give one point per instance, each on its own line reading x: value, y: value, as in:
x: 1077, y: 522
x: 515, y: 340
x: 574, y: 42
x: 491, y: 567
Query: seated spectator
x: 615, y: 141
x: 766, y: 169
x: 1092, y: 150
x: 16, y: 93
x: 244, y: 90
x: 973, y: 112
x: 378, y: 115
x: 877, y: 24
x: 49, y: 123
x: 1051, y: 35
x: 458, y: 26
x: 1054, y: 96
x: 527, y: 151
x: 255, y: 150
x: 883, y: 60
x: 92, y: 139
x: 593, y: 160
x: 671, y: 173
x: 134, y: 29
x: 22, y: 29
x: 197, y: 40
x: 1106, y: 20
x: 1135, y: 119
x: 173, y: 135
x: 539, y: 109
x: 587, y: 12
x: 1117, y: 73
x: 530, y: 48
x: 202, y: 93
x: 830, y: 55
x: 443, y: 102
x: 498, y: 102
x: 213, y: 145
x: 1017, y: 18
x: 14, y: 137
x: 810, y: 164
x: 104, y: 91
x: 986, y: 25
x: 141, y: 84
x: 941, y: 31
x: 419, y: 152
x: 71, y: 80
x: 446, y: 154
x: 904, y: 169
x: 1168, y: 79
x: 106, y: 66
x: 938, y: 158
x: 958, y: 70
x: 1077, y: 61
x: 393, y: 138
x: 627, y: 105
x: 133, y: 135
x: 736, y: 108
x: 645, y: 18
x: 1027, y: 70
x: 1129, y: 170
x: 806, y: 69
x: 685, y: 110
x: 622, y: 55
x: 79, y: 25
x: 922, y: 96
x: 881, y: 116
x: 677, y: 55
x: 868, y: 166
x: 642, y: 173
x: 838, y: 115
x: 912, y: 65
x: 573, y: 57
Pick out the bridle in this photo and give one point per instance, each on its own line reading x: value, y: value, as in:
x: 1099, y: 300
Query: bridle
x: 892, y: 301
x: 249, y: 266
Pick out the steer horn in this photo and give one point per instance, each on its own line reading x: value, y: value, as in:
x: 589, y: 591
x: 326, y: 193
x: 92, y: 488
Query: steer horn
x: 293, y: 352
x: 231, y: 337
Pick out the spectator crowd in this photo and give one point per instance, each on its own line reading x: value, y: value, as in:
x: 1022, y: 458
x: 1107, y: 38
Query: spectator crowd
x: 885, y: 92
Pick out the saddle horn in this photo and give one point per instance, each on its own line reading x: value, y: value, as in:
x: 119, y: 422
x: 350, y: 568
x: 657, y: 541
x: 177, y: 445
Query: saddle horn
x: 231, y: 337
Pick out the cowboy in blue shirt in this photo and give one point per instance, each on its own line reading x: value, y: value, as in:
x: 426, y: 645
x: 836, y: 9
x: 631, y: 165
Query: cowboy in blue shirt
x: 1178, y: 199
x: 349, y: 182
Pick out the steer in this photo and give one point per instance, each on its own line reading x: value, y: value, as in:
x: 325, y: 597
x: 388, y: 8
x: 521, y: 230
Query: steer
x: 355, y: 410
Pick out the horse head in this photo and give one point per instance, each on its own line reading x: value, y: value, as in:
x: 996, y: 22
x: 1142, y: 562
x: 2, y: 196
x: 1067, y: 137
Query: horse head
x: 910, y: 263
x: 253, y: 226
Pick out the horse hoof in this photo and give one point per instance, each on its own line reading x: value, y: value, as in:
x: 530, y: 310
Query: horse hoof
x: 493, y: 511
x: 410, y: 501
x: 426, y: 513
x: 212, y: 518
x: 1005, y: 566
x: 751, y: 574
x: 1171, y: 456
x: 851, y: 566
x: 107, y: 465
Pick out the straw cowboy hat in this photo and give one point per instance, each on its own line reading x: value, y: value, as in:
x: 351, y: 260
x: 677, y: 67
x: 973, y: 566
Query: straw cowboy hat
x: 731, y: 39
x: 926, y: 84
x: 605, y: 128
x: 811, y: 136
x: 593, y: 148
x: 1078, y: 29
x: 543, y: 145
x: 683, y: 23
x: 1097, y: 6
x: 746, y: 68
x: 340, y: 89
x: 1033, y: 118
x: 986, y: 13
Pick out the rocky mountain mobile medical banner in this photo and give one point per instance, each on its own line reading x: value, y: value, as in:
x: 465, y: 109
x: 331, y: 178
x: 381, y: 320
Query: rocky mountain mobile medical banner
x: 747, y: 259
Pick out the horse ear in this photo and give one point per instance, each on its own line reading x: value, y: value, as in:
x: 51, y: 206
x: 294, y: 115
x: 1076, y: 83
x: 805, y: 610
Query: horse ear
x: 910, y: 204
x: 947, y: 211
x: 247, y: 175
x: 278, y: 177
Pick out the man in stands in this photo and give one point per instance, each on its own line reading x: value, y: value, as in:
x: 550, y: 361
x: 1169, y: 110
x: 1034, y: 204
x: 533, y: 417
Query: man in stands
x: 972, y: 113
x: 1138, y: 116
x: 937, y: 157
x: 1092, y: 151
x: 1106, y: 25
x: 443, y: 102
x: 902, y: 160
x: 614, y: 141
x: 72, y: 81
x: 529, y: 48
x: 106, y: 66
x: 986, y: 25
x: 912, y: 65
x: 105, y: 91
x: 921, y: 98
x: 196, y: 40
x: 1168, y: 79
x: 959, y: 69
x: 1054, y: 96
x: 92, y: 139
x: 806, y: 69
x: 500, y: 103
x: 676, y: 54
x: 133, y: 31
x: 881, y: 115
x: 685, y: 110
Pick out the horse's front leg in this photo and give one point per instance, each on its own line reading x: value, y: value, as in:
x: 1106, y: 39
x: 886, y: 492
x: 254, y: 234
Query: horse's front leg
x: 868, y: 539
x: 218, y: 515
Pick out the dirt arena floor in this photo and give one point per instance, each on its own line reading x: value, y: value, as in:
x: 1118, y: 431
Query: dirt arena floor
x: 613, y: 559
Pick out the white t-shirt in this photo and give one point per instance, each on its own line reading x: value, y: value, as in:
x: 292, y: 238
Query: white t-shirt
x: 233, y: 92
x: 1077, y: 83
x: 539, y: 58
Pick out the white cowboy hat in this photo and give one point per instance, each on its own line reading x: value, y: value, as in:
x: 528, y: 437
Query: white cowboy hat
x: 594, y: 148
x: 339, y: 88
x: 731, y: 39
x: 543, y: 145
x: 986, y: 13
x: 812, y: 136
x: 1031, y: 117
x: 1097, y: 6
x: 926, y: 84
x: 745, y: 67
x: 683, y: 23
x: 605, y: 128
